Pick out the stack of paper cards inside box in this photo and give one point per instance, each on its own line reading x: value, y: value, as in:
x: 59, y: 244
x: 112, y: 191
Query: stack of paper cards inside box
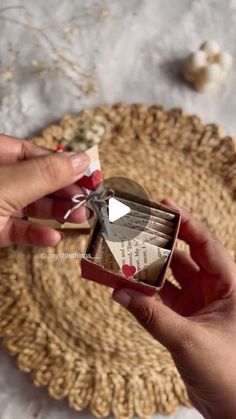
x: 138, y: 244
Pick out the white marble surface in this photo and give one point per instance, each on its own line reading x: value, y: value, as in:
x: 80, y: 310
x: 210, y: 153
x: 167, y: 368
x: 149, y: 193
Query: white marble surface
x: 54, y: 50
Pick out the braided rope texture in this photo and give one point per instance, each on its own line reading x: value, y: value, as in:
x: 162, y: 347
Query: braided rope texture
x: 66, y: 331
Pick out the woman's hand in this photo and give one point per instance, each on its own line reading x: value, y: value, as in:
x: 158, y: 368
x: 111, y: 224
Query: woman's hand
x: 196, y: 323
x: 28, y: 176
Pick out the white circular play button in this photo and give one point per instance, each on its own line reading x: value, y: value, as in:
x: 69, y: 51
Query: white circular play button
x: 125, y: 219
x: 117, y: 209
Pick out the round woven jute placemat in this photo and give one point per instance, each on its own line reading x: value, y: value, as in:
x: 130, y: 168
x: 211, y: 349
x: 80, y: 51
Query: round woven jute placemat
x: 67, y: 331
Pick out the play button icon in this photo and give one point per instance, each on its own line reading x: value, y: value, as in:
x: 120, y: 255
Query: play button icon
x: 117, y: 210
x: 124, y: 220
x: 120, y: 212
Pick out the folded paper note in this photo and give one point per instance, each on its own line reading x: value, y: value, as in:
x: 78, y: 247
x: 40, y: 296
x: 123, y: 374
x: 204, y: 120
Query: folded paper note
x: 141, y: 223
x: 104, y: 257
x: 125, y: 233
x: 135, y: 258
x: 147, y: 209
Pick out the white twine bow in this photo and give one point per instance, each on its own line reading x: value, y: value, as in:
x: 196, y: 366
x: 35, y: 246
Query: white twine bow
x: 98, y: 202
x: 78, y: 200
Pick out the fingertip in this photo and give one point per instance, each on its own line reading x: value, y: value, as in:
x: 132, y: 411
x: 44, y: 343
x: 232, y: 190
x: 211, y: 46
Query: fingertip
x: 80, y: 215
x: 51, y: 237
x: 174, y: 206
x: 69, y: 191
x: 170, y: 203
x: 79, y: 162
x: 126, y: 296
x: 122, y: 297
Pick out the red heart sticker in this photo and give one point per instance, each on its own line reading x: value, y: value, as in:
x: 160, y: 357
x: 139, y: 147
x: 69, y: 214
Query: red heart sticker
x: 91, y: 182
x: 60, y: 148
x: 128, y: 270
